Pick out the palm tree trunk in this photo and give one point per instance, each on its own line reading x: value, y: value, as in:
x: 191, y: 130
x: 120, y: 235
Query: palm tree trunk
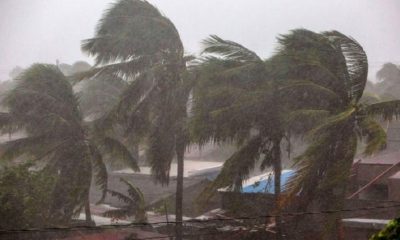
x: 88, y: 214
x: 277, y: 167
x: 180, y: 151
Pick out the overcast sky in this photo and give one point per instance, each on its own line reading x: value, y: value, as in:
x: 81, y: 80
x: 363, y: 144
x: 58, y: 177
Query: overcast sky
x: 46, y: 30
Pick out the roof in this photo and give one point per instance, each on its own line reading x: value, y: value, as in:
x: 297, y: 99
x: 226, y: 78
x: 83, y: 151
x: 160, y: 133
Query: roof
x: 192, y: 168
x: 395, y: 176
x: 264, y: 183
x: 118, y: 235
x: 382, y: 159
x: 365, y: 223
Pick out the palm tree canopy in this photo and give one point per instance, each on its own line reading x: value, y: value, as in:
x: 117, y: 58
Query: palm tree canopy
x: 131, y: 35
x: 136, y: 42
x: 44, y: 108
x: 338, y: 63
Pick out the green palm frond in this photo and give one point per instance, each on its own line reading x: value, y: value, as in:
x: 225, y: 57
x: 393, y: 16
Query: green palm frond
x: 100, y: 171
x: 302, y: 121
x: 119, y: 151
x: 308, y: 55
x: 133, y: 191
x: 356, y: 62
x: 126, y: 69
x: 387, y: 110
x: 338, y: 171
x: 135, y: 204
x: 12, y: 149
x: 229, y: 49
x: 310, y: 88
x: 121, y: 197
x: 236, y: 169
x: 129, y: 29
x: 374, y: 134
x: 332, y: 123
x: 161, y: 146
x: 117, y: 213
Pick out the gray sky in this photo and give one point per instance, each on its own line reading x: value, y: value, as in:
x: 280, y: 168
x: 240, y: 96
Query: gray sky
x: 46, y: 30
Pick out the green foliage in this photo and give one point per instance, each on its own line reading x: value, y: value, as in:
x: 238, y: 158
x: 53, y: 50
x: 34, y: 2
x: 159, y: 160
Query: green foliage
x: 99, y: 95
x: 44, y: 108
x: 338, y: 63
x: 135, y: 42
x: 390, y: 232
x: 135, y: 204
x: 25, y: 198
x: 130, y: 30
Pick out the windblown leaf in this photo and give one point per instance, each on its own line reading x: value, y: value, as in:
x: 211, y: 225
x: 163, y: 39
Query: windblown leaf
x: 386, y: 110
x: 117, y: 150
x: 228, y: 49
x: 374, y: 134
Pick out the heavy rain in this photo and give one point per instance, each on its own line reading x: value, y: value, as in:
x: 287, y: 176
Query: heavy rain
x: 198, y: 120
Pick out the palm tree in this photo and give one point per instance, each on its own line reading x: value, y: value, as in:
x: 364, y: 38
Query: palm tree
x: 240, y: 97
x: 338, y: 63
x: 45, y: 110
x: 135, y: 204
x: 136, y: 42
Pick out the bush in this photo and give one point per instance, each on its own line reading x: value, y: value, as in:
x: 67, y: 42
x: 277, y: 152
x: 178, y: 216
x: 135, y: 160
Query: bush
x: 25, y: 197
x: 390, y: 232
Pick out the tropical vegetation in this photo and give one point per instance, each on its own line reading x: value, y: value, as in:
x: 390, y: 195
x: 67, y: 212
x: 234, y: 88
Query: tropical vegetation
x: 44, y: 117
x: 135, y: 204
x: 136, y: 42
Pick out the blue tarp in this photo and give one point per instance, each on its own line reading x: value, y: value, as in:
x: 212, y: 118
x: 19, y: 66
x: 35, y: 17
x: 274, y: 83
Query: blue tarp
x: 266, y: 183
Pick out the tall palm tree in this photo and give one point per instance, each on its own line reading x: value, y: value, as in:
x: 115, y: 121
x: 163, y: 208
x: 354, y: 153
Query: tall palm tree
x: 338, y: 63
x: 136, y: 42
x: 242, y: 98
x: 44, y: 108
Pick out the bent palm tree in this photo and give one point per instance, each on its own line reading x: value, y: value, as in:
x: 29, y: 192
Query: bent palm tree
x: 135, y: 204
x: 338, y: 63
x: 240, y: 97
x: 136, y: 42
x: 44, y: 107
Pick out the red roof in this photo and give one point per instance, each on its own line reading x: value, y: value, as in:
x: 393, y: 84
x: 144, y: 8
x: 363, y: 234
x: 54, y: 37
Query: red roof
x: 115, y: 235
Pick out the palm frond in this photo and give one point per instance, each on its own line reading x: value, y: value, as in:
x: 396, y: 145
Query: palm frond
x: 126, y: 69
x: 308, y: 55
x: 386, y: 110
x: 356, y: 62
x: 332, y: 123
x: 121, y: 213
x: 229, y: 49
x: 11, y: 150
x: 161, y: 147
x: 236, y: 169
x: 100, y: 171
x: 121, y: 197
x: 119, y: 151
x: 129, y: 29
x: 303, y: 120
x: 374, y: 134
x: 133, y: 191
x: 310, y: 88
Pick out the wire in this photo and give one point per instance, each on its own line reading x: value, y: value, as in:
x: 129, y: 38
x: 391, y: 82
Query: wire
x: 197, y: 221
